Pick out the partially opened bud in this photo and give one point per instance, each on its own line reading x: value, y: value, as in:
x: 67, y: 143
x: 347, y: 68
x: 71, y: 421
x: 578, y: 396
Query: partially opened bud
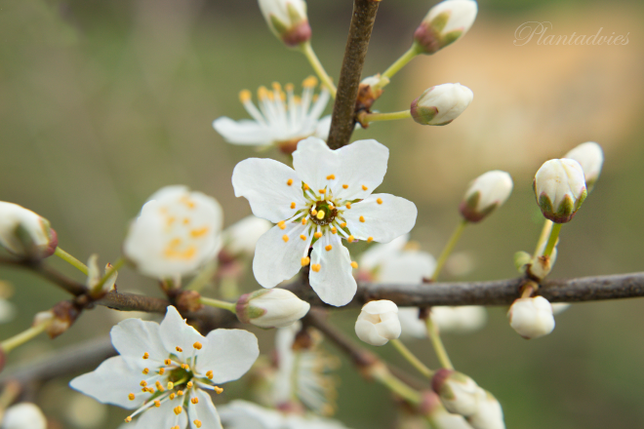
x: 22, y: 416
x: 591, y: 158
x: 287, y: 19
x: 439, y: 417
x: 531, y: 317
x: 486, y: 193
x: 489, y: 414
x: 378, y: 322
x: 94, y: 277
x: 444, y: 24
x: 441, y: 104
x: 457, y: 391
x: 241, y: 237
x: 58, y: 319
x: 560, y: 188
x: 24, y: 233
x: 271, y: 308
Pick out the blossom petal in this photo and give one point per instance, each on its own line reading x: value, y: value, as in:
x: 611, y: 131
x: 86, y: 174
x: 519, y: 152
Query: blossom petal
x: 163, y: 416
x: 334, y: 282
x: 407, y: 268
x: 384, y: 217
x: 243, y: 132
x: 111, y: 383
x: 204, y: 411
x: 362, y: 168
x: 176, y: 333
x: 381, y: 254
x: 277, y: 260
x: 369, y: 334
x: 314, y: 162
x: 265, y: 184
x: 132, y: 338
x: 228, y: 353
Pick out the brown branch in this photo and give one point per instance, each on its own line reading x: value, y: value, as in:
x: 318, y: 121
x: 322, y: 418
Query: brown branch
x: 342, y: 120
x: 48, y: 273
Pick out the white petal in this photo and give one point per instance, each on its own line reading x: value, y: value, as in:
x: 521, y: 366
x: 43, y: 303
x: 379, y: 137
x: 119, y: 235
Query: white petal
x: 380, y: 306
x: 383, y: 222
x: 368, y: 333
x: 132, y: 338
x: 411, y: 325
x: 243, y: 132
x: 379, y: 254
x: 277, y: 260
x: 334, y: 283
x: 264, y: 183
x: 175, y: 332
x: 204, y: 411
x: 314, y: 161
x: 24, y: 415
x: 409, y: 267
x: 240, y: 414
x: 389, y: 327
x: 111, y: 383
x: 229, y: 353
x: 363, y: 164
x: 163, y: 417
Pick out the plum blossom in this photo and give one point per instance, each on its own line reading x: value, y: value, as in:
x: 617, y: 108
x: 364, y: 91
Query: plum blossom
x: 325, y: 198
x: 283, y: 119
x: 378, y: 322
x: 164, y: 369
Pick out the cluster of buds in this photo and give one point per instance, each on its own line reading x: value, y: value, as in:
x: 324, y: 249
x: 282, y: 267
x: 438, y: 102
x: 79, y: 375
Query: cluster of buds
x: 461, y: 395
x: 271, y: 308
x: 444, y: 24
x: 25, y: 234
x: 378, y: 322
x: 288, y: 20
x: 487, y: 192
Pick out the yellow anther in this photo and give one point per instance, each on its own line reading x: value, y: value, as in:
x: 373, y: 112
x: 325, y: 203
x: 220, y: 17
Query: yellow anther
x: 293, y: 205
x: 185, y: 366
x: 348, y: 205
x: 379, y: 200
x: 189, y: 385
x: 364, y: 188
x: 322, y: 191
x: 146, y: 371
x: 285, y: 238
x: 305, y: 261
x: 262, y: 92
x: 343, y: 225
x: 188, y: 202
x: 200, y: 232
x: 179, y: 349
x: 171, y: 253
x: 172, y: 396
x: 320, y: 215
x: 316, y: 267
x: 150, y: 390
x: 170, y: 220
x: 289, y: 87
x: 177, y: 410
x: 146, y: 355
x: 210, y: 375
x: 186, y: 221
x: 128, y: 419
x: 289, y: 182
x: 345, y: 186
x: 197, y: 423
x: 318, y: 234
x: 314, y: 212
x: 157, y: 403
x: 170, y: 385
x: 281, y: 224
x: 197, y: 345
x: 167, y: 361
x: 218, y: 389
x: 328, y: 247
x: 354, y: 264
x: 361, y: 219
x: 131, y: 396
x: 330, y: 177
x: 144, y: 389
x: 180, y: 392
x: 175, y: 242
x: 369, y: 240
x: 306, y: 187
x: 194, y: 400
x: 161, y: 371
x: 310, y: 82
x: 276, y: 86
x: 351, y: 238
x: 304, y: 221
x: 143, y: 383
x: 303, y: 237
x: 244, y: 95
x: 334, y: 230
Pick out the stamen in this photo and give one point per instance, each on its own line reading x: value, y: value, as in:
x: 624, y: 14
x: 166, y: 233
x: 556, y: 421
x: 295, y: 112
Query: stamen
x: 310, y: 82
x: 285, y: 238
x: 179, y: 349
x: 143, y: 383
x: 157, y: 403
x: 318, y: 234
x: 351, y: 238
x: 314, y: 212
x: 320, y: 215
x: 244, y: 95
x: 197, y: 345
x: 289, y: 182
x: 304, y: 220
x: 180, y: 392
x: 159, y: 386
x: 196, y: 233
x: 289, y: 87
x: 210, y: 375
x: 345, y: 186
x: 146, y: 371
x: 330, y: 177
x: 328, y: 247
x: 189, y: 385
x: 305, y: 261
x: 194, y: 400
x: 331, y: 206
x: 343, y: 225
x: 177, y: 410
x: 354, y: 264
x: 316, y: 267
x: 364, y: 188
x: 167, y: 362
x: 362, y: 219
x: 170, y: 385
x: 161, y: 371
x: 218, y: 389
x: 322, y: 191
x: 369, y: 240
x: 197, y: 423
x: 281, y: 224
x: 334, y: 230
x: 172, y: 396
x: 146, y: 355
x: 131, y: 396
x: 128, y: 419
x: 305, y: 186
x: 292, y: 205
x: 379, y: 200
x: 185, y: 366
x: 348, y: 206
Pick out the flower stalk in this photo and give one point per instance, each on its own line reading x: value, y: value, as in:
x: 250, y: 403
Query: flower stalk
x: 230, y: 306
x: 437, y: 343
x: 411, y: 358
x: 552, y: 240
x: 372, y: 117
x: 381, y: 374
x: 71, y: 260
x: 11, y: 343
x: 449, y: 247
x: 317, y: 66
x: 402, y: 61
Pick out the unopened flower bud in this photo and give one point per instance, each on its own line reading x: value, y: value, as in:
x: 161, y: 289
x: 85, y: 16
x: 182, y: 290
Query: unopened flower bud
x: 457, y: 391
x: 531, y: 317
x: 24, y: 233
x: 58, y: 319
x: 560, y: 189
x: 378, y: 322
x: 591, y: 158
x: 486, y: 193
x: 94, y: 277
x: 439, y: 417
x: 441, y: 104
x: 444, y: 24
x: 271, y: 308
x: 489, y: 414
x: 287, y: 19
x: 24, y: 415
x: 241, y: 237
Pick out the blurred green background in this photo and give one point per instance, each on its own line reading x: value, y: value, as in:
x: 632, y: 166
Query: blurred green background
x: 102, y: 103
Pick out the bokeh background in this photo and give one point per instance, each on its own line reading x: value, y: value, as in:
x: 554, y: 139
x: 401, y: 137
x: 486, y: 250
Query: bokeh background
x: 102, y: 103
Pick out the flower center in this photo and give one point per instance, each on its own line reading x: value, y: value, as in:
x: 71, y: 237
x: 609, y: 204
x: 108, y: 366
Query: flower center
x: 323, y: 213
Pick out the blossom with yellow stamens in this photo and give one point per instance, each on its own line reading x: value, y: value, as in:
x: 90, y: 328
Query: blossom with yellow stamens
x: 282, y: 119
x: 223, y: 355
x: 176, y: 232
x: 347, y: 175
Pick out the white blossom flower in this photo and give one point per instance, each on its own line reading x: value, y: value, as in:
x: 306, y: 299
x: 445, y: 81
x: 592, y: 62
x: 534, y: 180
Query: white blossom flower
x: 176, y: 232
x: 239, y: 414
x: 489, y: 414
x: 25, y: 233
x: 591, y: 158
x: 378, y: 322
x: 273, y: 308
x: 23, y: 415
x: 560, y: 188
x: 288, y: 20
x: 445, y: 23
x: 461, y: 319
x: 441, y: 104
x: 457, y: 391
x: 163, y: 370
x: 283, y: 119
x: 325, y: 198
x: 531, y: 317
x: 438, y: 416
x: 241, y: 237
x: 487, y: 192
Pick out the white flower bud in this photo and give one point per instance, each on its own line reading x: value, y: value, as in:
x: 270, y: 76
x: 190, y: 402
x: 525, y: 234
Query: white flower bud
x: 487, y: 192
x: 489, y: 414
x: 444, y: 24
x: 378, y: 322
x: 271, y: 308
x: 591, y: 158
x: 460, y: 320
x: 241, y: 237
x: 438, y: 416
x: 441, y: 104
x: 24, y: 415
x: 531, y: 317
x: 94, y: 276
x: 560, y: 188
x: 287, y: 19
x: 457, y: 391
x: 24, y: 233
